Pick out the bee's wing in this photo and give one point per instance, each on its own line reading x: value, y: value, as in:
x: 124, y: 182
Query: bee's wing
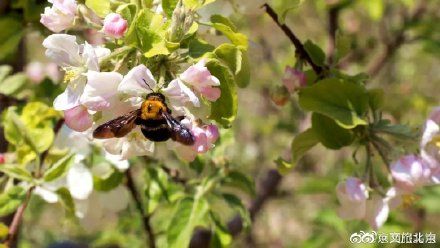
x: 179, y: 132
x: 118, y: 127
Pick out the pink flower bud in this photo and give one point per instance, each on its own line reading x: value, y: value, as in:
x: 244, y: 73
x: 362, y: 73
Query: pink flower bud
x: 352, y: 195
x: 114, y: 25
x: 78, y: 118
x: 2, y: 158
x: 294, y: 79
x: 35, y: 71
x: 212, y: 133
x: 410, y: 172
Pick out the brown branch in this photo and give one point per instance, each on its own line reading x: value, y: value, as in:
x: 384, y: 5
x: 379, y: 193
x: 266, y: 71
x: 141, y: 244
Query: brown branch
x: 268, y: 188
x: 333, y: 17
x: 14, y: 228
x: 399, y: 39
x: 138, y: 200
x: 300, y: 50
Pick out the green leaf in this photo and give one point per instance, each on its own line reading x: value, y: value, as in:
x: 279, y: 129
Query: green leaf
x: 283, y: 166
x: 375, y: 99
x: 330, y: 134
x: 100, y: 7
x: 315, y: 52
x: 198, y: 47
x: 240, y: 181
x: 343, y: 45
x: 66, y: 201
x: 168, y: 7
x: 10, y: 200
x: 224, y: 110
x: 16, y: 132
x: 5, y: 70
x: 13, y: 84
x: 284, y: 7
x: 109, y: 181
x: 343, y: 101
x: 127, y: 11
x: 196, y: 4
x: 302, y: 143
x: 223, y: 25
x: 375, y: 8
x: 188, y: 214
x: 397, y: 131
x: 10, y: 37
x: 15, y: 171
x: 237, y: 62
x: 236, y: 203
x: 58, y: 169
x: 4, y: 230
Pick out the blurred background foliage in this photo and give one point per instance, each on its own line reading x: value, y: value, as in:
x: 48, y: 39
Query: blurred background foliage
x: 390, y: 40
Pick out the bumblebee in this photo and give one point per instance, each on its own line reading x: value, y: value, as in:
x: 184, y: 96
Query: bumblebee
x: 155, y: 119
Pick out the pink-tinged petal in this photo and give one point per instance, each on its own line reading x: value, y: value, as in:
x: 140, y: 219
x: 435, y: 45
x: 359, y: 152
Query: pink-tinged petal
x: 377, y: 211
x: 70, y: 98
x: 293, y: 79
x: 2, y: 158
x: 114, y: 25
x: 55, y: 20
x: 212, y: 133
x: 63, y: 50
x: 138, y: 82
x: 410, y: 172
x: 53, y: 72
x: 179, y: 94
x: 78, y: 118
x: 435, y: 115
x: 101, y: 89
x: 352, y: 195
x: 211, y: 93
x: 68, y: 7
x: 356, y: 189
x: 435, y: 175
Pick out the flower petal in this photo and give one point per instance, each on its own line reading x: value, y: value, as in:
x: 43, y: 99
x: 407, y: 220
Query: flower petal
x: 62, y: 49
x: 133, y: 83
x: 179, y: 94
x: 79, y: 181
x: 47, y: 195
x: 78, y: 118
x: 100, y: 90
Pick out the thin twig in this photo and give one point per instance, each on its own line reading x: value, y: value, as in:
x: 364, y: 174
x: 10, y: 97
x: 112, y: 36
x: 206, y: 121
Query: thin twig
x: 18, y: 217
x: 300, y: 50
x: 145, y: 217
x: 333, y: 16
x: 399, y: 39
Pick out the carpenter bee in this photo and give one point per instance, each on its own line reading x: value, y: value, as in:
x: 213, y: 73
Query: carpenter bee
x: 155, y: 119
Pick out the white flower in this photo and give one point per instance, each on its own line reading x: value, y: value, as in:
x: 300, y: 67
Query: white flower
x: 100, y: 91
x: 352, y: 195
x: 133, y: 144
x: 430, y: 143
x: 60, y: 16
x: 79, y: 181
x: 76, y: 60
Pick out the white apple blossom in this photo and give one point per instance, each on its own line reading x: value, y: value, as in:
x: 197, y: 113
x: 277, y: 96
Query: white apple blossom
x: 60, y: 16
x: 430, y: 143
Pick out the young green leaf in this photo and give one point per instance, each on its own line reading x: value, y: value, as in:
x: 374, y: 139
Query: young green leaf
x: 100, y: 7
x: 67, y: 201
x: 188, y: 214
x: 58, y: 169
x: 240, y: 181
x: 10, y: 200
x: 16, y: 171
x: 345, y: 102
x: 237, y: 62
x: 13, y: 84
x: 109, y: 181
x: 302, y: 143
x: 223, y: 25
x: 330, y: 134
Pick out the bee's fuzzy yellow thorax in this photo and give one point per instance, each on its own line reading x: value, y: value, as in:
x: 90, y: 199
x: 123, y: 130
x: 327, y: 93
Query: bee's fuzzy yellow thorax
x: 152, y: 109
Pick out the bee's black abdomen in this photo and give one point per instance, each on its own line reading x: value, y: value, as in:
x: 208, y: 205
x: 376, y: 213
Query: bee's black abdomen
x: 157, y: 134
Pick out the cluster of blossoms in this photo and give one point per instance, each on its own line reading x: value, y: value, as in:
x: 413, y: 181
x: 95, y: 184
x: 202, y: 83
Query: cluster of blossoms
x: 93, y: 97
x: 409, y: 173
x: 293, y: 80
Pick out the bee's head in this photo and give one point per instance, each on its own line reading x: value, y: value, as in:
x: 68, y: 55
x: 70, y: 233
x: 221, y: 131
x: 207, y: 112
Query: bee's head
x: 155, y: 96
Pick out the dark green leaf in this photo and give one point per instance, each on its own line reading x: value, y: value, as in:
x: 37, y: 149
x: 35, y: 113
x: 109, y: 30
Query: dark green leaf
x: 197, y: 48
x: 67, y: 201
x: 241, y: 181
x: 345, y: 102
x: 168, y: 7
x: 375, y: 99
x: 315, y: 52
x: 108, y: 182
x: 330, y: 134
x: 10, y: 37
x: 302, y: 143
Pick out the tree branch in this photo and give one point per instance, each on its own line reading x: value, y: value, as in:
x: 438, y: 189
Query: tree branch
x: 333, y: 17
x: 399, y: 38
x: 300, y: 50
x: 138, y: 200
x: 14, y: 228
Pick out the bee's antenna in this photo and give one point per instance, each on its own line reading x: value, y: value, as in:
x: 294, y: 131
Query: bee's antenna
x: 149, y: 87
